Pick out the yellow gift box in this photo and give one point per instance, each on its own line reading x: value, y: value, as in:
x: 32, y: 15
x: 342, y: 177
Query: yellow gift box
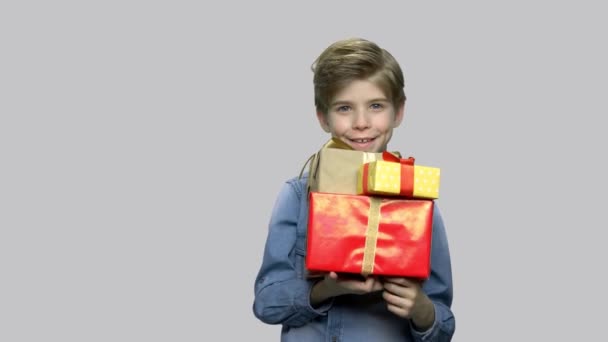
x: 398, y: 177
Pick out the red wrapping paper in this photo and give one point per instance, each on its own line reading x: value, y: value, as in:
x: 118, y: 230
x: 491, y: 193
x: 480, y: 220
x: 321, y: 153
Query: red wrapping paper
x: 341, y: 235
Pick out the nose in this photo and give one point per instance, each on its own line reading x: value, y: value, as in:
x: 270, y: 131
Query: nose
x: 361, y: 120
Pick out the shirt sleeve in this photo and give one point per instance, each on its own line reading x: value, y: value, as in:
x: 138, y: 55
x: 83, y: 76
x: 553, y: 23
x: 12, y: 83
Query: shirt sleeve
x: 282, y: 295
x: 439, y: 287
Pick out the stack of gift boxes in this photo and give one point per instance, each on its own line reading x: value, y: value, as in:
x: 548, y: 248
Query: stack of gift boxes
x: 369, y: 213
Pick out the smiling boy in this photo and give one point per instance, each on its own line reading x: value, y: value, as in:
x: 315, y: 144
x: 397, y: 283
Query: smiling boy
x: 359, y: 99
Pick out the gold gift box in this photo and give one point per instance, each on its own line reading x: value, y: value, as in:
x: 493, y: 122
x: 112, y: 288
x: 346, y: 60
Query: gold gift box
x: 383, y: 177
x: 334, y: 168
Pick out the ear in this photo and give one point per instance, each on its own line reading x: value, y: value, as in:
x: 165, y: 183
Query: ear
x: 399, y: 114
x: 323, y: 121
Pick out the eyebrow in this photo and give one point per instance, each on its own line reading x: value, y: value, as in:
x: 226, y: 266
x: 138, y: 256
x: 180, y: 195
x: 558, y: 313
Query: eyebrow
x: 344, y: 102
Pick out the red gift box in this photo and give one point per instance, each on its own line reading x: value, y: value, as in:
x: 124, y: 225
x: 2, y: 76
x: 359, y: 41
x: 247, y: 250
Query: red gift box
x: 369, y: 235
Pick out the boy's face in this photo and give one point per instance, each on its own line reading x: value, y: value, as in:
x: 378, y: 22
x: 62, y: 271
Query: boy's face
x: 362, y: 116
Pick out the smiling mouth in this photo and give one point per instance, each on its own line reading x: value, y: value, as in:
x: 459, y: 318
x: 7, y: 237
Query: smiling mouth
x: 362, y: 141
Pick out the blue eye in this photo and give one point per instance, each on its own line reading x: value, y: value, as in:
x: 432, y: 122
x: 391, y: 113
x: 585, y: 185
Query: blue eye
x: 343, y: 108
x: 376, y: 106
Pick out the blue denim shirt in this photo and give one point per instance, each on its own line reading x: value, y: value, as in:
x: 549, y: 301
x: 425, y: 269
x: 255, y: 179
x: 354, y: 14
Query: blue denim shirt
x: 282, y: 290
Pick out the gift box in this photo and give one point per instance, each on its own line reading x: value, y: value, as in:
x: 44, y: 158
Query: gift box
x: 335, y: 166
x: 394, y: 176
x: 369, y: 235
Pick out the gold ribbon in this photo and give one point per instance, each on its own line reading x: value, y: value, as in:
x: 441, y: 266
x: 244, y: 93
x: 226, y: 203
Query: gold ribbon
x: 371, y: 236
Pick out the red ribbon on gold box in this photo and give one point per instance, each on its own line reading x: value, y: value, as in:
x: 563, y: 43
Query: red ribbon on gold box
x: 369, y: 235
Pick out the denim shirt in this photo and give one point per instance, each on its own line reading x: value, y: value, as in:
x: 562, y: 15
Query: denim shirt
x: 282, y: 290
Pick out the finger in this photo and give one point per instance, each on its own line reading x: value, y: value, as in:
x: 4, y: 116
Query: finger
x: 350, y: 282
x: 398, y: 311
x: 377, y: 285
x: 398, y: 290
x: 408, y: 282
x: 400, y: 302
x: 359, y: 286
x: 399, y: 281
x: 394, y: 299
x: 356, y: 288
x: 391, y: 298
x: 366, y: 286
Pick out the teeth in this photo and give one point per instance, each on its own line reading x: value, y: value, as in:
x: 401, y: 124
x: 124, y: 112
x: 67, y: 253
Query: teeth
x: 362, y: 140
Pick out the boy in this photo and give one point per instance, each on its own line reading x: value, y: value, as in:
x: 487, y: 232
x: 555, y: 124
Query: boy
x: 359, y: 99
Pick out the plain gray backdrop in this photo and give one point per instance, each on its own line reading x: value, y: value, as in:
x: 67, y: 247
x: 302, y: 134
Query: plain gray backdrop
x: 143, y: 145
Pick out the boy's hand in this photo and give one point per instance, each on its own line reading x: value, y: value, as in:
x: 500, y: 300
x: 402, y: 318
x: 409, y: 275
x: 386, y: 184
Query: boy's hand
x: 333, y: 285
x: 404, y: 297
x: 351, y: 284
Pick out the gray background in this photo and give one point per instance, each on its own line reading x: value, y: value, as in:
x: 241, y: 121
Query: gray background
x: 143, y: 144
